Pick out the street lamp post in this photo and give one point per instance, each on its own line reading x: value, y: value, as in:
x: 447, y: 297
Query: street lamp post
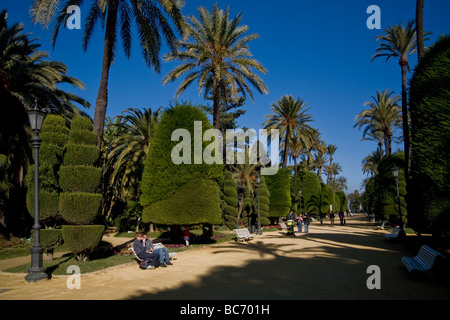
x: 258, y: 181
x: 395, y: 173
x: 36, y: 272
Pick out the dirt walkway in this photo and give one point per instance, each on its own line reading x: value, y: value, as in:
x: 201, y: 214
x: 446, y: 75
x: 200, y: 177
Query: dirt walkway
x: 328, y: 263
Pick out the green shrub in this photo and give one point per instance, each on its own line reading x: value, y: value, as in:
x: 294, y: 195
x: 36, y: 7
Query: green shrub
x: 81, y: 240
x: 83, y: 137
x: 280, y: 194
x: 168, y: 193
x: 81, y: 123
x: 80, y: 178
x: 79, y: 207
x: 198, y: 201
x: 50, y: 135
x: 48, y: 204
x: 50, y: 238
x: 81, y: 155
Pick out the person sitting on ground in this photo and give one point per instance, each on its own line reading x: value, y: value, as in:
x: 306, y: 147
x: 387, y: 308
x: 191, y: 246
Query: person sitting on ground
x: 163, y: 252
x: 140, y: 251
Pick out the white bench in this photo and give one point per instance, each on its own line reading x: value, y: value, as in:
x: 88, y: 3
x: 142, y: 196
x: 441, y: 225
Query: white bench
x: 381, y: 226
x: 172, y: 255
x: 283, y: 226
x: 396, y: 234
x: 243, y: 234
x: 423, y: 262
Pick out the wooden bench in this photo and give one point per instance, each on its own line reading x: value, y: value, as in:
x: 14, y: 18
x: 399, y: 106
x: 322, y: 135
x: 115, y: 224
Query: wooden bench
x: 424, y: 262
x: 396, y: 234
x: 243, y: 234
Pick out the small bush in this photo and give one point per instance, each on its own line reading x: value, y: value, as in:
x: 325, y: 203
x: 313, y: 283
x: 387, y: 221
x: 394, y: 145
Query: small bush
x: 50, y: 238
x: 48, y: 204
x: 79, y: 207
x: 79, y: 155
x: 80, y: 178
x: 83, y: 137
x: 81, y: 240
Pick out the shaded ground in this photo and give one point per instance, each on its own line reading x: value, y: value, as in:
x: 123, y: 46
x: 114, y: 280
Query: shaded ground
x: 328, y: 263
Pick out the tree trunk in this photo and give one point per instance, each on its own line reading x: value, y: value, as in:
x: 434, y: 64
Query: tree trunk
x: 102, y: 95
x: 216, y: 104
x: 419, y: 29
x: 405, y: 121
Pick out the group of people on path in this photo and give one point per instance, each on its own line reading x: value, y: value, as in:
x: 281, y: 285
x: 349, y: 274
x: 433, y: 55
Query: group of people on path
x: 305, y: 219
x: 144, y: 249
x: 301, y: 220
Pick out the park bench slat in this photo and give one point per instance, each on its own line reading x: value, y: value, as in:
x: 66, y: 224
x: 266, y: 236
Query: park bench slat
x: 423, y: 262
x: 243, y: 234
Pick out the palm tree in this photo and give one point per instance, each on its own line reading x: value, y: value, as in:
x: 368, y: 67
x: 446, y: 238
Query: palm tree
x: 117, y: 16
x: 217, y: 56
x: 400, y: 42
x: 26, y: 79
x: 290, y: 117
x: 319, y: 160
x: 331, y: 149
x: 245, y: 176
x: 130, y: 148
x: 383, y: 115
x: 370, y: 163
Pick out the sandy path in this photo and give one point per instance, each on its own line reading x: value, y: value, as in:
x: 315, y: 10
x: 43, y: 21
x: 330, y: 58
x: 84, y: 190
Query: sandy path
x: 329, y: 263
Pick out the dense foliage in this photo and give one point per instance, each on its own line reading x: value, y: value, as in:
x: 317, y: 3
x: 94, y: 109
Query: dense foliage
x: 429, y: 194
x: 169, y: 194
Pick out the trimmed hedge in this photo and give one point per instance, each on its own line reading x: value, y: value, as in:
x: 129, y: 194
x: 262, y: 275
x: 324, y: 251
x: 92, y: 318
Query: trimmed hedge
x: 82, y: 240
x: 80, y: 178
x: 48, y: 203
x: 50, y: 238
x: 79, y: 207
x: 280, y: 193
x: 80, y: 155
x: 196, y: 202
x: 169, y: 195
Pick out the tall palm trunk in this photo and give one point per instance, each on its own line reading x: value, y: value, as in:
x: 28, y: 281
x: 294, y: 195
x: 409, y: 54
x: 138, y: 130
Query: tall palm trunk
x: 102, y: 95
x: 403, y: 65
x: 419, y: 29
x: 216, y: 104
x: 286, y: 151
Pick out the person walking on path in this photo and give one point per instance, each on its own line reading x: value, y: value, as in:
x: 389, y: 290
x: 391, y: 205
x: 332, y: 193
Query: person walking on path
x: 332, y: 217
x: 306, y: 222
x: 186, y: 236
x: 299, y: 223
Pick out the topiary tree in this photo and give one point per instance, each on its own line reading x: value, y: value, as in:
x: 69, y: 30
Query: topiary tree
x: 80, y: 199
x: 230, y: 201
x: 429, y: 190
x: 280, y: 194
x: 186, y: 193
x: 54, y: 135
x: 264, y: 202
x: 309, y: 183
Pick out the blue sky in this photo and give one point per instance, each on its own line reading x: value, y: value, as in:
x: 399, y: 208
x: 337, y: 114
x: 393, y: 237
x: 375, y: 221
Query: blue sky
x: 316, y: 50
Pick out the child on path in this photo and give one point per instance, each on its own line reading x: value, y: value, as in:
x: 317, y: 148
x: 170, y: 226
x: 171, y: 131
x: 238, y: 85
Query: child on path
x: 186, y: 236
